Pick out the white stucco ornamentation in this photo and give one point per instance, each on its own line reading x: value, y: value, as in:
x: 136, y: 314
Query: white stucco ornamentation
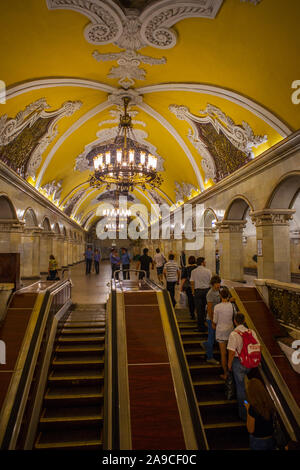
x: 10, y: 128
x: 53, y: 189
x: 183, y: 190
x: 242, y: 137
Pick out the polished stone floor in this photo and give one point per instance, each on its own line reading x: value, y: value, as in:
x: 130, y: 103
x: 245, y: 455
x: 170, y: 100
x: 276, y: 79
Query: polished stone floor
x: 94, y: 288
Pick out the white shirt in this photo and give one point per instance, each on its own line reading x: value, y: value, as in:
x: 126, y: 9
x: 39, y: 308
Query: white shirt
x: 201, y: 277
x: 223, y: 318
x: 159, y: 259
x: 171, y: 270
x: 235, y: 342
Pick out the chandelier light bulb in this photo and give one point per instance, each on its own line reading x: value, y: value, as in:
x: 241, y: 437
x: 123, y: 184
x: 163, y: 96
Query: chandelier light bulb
x: 131, y: 156
x: 142, y: 158
x: 119, y: 156
x: 107, y: 158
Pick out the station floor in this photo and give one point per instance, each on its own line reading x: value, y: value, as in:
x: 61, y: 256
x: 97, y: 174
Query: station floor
x: 94, y: 288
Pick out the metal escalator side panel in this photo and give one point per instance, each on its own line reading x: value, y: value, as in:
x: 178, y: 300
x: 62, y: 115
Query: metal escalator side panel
x: 124, y: 418
x: 21, y: 372
x: 270, y: 363
x: 191, y: 422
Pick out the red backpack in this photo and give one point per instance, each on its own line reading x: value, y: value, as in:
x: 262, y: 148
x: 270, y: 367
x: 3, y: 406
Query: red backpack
x: 250, y: 355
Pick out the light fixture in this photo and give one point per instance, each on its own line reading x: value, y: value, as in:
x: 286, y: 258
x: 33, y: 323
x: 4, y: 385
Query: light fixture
x: 125, y: 163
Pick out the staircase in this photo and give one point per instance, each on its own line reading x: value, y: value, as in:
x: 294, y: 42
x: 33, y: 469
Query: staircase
x: 72, y: 414
x: 223, y: 428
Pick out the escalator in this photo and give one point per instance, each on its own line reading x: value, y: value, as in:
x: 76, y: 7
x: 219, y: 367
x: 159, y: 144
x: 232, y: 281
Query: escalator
x: 222, y: 426
x: 72, y: 411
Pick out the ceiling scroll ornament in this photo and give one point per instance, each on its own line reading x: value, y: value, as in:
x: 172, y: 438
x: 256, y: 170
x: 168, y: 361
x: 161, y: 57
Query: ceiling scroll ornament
x: 183, y: 191
x: 223, y: 145
x: 53, y: 189
x: 24, y: 139
x: 131, y: 29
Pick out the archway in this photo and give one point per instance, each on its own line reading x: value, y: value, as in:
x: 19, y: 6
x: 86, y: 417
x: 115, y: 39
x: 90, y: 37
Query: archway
x: 7, y: 210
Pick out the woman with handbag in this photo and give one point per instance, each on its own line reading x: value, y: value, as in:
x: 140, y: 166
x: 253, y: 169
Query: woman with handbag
x: 186, y: 286
x: 52, y: 269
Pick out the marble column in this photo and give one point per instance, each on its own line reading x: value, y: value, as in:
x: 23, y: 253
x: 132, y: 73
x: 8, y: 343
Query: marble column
x: 46, y: 249
x: 273, y: 243
x: 30, y: 259
x: 231, y: 249
x: 70, y: 251
x: 11, y: 236
x: 65, y: 253
x: 210, y: 249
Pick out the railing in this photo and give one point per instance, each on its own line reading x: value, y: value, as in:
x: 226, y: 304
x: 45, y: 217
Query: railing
x: 17, y: 410
x: 283, y: 300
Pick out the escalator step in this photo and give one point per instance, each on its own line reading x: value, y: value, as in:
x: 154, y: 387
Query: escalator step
x: 75, y: 438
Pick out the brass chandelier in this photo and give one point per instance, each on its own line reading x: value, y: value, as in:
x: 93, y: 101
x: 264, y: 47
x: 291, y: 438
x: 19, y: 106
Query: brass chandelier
x: 124, y: 163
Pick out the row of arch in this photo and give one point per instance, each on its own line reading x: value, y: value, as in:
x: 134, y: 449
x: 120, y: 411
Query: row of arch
x: 30, y: 220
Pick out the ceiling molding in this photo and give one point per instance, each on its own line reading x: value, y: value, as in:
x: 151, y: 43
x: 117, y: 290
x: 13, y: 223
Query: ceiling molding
x: 261, y: 112
x: 90, y: 114
x: 145, y: 107
x: 18, y: 89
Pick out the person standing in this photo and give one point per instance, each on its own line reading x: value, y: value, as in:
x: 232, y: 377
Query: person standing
x: 97, y: 258
x: 260, y: 411
x: 115, y: 263
x: 234, y: 346
x: 143, y: 264
x: 186, y: 284
x: 213, y: 299
x: 200, y: 283
x: 159, y: 261
x: 88, y: 260
x: 172, y: 275
x: 182, y: 260
x: 125, y: 260
x: 223, y: 325
x: 217, y: 262
x: 52, y: 269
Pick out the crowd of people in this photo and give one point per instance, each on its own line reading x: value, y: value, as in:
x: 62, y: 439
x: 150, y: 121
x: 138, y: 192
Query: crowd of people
x: 213, y: 308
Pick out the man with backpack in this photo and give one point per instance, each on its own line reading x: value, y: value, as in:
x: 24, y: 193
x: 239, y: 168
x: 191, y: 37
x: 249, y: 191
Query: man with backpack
x: 243, y: 354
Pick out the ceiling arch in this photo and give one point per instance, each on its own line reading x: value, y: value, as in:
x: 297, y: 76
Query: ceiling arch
x: 71, y: 51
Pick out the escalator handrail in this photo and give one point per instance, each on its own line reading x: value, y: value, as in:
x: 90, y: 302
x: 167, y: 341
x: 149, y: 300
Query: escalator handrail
x: 286, y: 406
x: 188, y: 385
x: 11, y: 409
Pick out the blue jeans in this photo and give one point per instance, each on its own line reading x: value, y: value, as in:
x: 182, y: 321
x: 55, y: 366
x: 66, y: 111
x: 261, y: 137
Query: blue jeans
x: 239, y: 371
x: 256, y: 443
x: 209, y: 344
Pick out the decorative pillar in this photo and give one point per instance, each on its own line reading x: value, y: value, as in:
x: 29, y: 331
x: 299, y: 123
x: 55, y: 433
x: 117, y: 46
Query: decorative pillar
x: 70, y: 251
x: 11, y: 236
x: 210, y: 249
x: 64, y: 262
x: 30, y: 259
x: 273, y: 243
x: 231, y: 249
x: 46, y: 249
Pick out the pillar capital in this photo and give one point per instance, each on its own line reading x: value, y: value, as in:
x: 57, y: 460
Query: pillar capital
x: 11, y: 225
x: 231, y: 226
x: 272, y: 216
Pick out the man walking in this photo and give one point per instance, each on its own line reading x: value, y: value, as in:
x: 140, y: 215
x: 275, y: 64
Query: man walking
x: 200, y: 283
x: 115, y: 262
x: 234, y: 346
x: 125, y: 260
x: 88, y: 260
x: 159, y: 260
x: 144, y: 264
x: 172, y: 275
x: 97, y: 260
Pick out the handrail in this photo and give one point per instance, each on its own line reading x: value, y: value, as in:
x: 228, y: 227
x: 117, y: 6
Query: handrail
x: 285, y: 403
x: 16, y: 398
x: 186, y: 377
x: 125, y: 270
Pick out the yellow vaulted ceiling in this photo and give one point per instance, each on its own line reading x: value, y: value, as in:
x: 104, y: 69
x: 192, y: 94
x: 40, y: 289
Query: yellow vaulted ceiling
x: 243, y: 62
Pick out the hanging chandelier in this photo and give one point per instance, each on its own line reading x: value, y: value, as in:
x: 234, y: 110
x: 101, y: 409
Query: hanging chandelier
x: 125, y: 163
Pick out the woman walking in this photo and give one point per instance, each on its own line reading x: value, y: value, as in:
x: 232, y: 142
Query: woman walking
x: 223, y: 324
